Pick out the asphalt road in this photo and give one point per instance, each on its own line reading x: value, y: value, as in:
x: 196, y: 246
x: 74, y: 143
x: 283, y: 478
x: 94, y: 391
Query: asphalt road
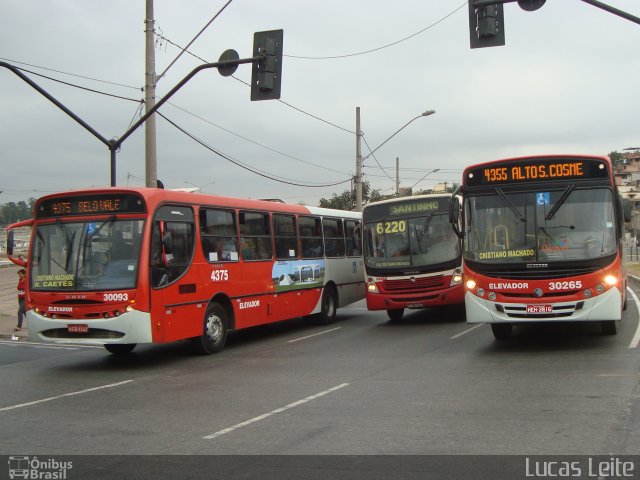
x: 431, y: 385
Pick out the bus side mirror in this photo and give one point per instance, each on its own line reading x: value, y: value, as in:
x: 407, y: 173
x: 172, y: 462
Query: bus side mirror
x: 454, y: 212
x: 10, y: 243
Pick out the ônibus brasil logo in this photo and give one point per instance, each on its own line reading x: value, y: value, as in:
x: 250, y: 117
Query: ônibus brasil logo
x: 33, y: 468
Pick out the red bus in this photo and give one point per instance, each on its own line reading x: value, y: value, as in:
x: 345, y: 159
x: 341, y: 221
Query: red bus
x: 412, y: 256
x: 542, y: 242
x: 122, y: 266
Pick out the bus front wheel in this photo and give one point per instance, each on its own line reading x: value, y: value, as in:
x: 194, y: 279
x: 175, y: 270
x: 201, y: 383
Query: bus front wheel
x: 502, y: 331
x: 395, y: 315
x: 609, y: 327
x: 214, y: 334
x: 119, y: 348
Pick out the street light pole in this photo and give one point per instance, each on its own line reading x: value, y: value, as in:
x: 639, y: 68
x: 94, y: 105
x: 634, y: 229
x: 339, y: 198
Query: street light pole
x: 360, y: 160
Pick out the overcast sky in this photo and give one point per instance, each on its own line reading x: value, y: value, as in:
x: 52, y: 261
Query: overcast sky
x: 567, y: 81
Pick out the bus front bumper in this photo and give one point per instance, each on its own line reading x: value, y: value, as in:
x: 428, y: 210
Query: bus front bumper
x: 130, y: 327
x: 446, y: 296
x: 607, y: 306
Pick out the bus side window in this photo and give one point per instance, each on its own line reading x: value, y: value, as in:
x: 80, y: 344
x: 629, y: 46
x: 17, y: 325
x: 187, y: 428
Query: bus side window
x: 218, y: 237
x: 255, y: 236
x: 333, y: 237
x: 352, y: 235
x: 311, y: 237
x: 284, y: 230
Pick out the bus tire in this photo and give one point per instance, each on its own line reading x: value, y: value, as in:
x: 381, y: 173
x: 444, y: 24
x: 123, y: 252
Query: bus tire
x: 119, y: 348
x: 609, y: 327
x: 214, y: 331
x: 328, y: 306
x: 502, y: 331
x: 395, y: 315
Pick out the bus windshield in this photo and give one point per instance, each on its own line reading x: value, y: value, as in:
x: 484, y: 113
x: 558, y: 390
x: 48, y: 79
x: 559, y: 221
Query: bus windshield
x: 410, y: 242
x: 86, y: 256
x: 544, y: 225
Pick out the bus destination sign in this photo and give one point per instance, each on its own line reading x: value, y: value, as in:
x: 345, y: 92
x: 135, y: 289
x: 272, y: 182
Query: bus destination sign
x: 91, y: 205
x: 520, y: 171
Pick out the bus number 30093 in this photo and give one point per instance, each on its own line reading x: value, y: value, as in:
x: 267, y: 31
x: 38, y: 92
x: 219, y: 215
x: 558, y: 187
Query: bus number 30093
x: 115, y: 297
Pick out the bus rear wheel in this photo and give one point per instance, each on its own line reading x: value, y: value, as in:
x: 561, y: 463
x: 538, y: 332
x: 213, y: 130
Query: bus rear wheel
x: 328, y: 306
x: 395, y: 315
x: 502, y: 331
x: 214, y: 332
x: 119, y: 348
x: 609, y: 327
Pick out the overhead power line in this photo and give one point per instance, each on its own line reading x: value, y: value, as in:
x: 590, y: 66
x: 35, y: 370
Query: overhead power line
x: 332, y: 57
x: 250, y: 169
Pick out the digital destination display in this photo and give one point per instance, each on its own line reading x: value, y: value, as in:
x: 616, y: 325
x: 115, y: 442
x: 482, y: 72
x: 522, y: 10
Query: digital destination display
x: 410, y: 208
x: 90, y: 205
x: 533, y: 170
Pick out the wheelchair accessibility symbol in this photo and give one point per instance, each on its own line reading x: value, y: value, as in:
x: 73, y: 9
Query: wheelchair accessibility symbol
x: 543, y: 198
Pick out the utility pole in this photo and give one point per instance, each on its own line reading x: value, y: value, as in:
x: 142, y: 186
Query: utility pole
x: 151, y: 166
x: 397, y: 177
x: 358, y: 179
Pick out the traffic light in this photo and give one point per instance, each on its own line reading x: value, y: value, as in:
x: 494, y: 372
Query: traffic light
x: 266, y: 75
x: 486, y: 25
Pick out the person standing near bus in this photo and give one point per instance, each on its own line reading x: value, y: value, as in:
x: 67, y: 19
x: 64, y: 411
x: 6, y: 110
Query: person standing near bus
x: 22, y: 287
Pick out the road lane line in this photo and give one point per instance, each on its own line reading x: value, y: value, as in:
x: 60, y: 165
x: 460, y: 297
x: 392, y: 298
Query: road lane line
x: 636, y: 338
x: 466, y: 331
x: 314, y: 335
x: 35, y: 402
x: 273, y: 412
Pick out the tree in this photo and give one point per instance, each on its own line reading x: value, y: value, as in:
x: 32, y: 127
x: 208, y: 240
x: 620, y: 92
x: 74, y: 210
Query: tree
x: 12, y: 212
x: 616, y: 157
x: 347, y: 199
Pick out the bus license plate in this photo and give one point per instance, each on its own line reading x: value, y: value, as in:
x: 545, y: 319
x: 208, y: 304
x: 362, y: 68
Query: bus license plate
x: 539, y: 309
x: 78, y: 328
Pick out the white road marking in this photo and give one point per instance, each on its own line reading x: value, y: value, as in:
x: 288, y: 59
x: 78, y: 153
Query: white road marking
x: 466, y: 331
x: 314, y: 335
x: 35, y: 402
x: 636, y: 338
x: 273, y: 412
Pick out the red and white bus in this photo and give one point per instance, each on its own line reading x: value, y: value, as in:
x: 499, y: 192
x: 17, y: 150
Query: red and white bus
x: 542, y: 242
x: 412, y: 256
x: 122, y: 266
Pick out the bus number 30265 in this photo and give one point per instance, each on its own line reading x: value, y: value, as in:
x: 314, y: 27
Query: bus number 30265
x: 571, y: 285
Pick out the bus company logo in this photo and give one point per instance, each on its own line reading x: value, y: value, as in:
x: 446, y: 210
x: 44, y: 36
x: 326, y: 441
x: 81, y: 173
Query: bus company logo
x: 249, y: 304
x: 60, y: 309
x: 32, y: 468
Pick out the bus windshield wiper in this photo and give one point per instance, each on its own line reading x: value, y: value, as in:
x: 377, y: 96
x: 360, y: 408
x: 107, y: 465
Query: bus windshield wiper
x: 68, y: 243
x: 510, y: 204
x: 558, y: 204
x: 90, y: 238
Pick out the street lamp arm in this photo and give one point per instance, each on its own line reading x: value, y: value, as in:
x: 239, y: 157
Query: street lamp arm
x: 425, y: 114
x: 56, y: 103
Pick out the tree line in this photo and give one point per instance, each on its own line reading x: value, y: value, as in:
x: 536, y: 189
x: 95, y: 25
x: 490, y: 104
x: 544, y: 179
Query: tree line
x: 12, y: 212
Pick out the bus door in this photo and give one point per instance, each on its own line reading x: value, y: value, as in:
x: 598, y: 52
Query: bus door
x: 175, y: 299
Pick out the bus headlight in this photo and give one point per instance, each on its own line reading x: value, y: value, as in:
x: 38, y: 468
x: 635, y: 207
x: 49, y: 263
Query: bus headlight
x: 492, y: 296
x: 599, y: 288
x: 610, y: 280
x: 480, y: 292
x: 371, y: 285
x: 471, y: 284
x: 588, y: 292
x: 456, y: 279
